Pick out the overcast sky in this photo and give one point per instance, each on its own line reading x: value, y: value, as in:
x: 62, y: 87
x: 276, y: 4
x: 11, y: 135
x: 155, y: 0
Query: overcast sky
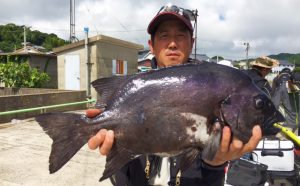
x: 270, y: 26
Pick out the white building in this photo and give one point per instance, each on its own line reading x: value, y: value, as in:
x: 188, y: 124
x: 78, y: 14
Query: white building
x: 283, y: 64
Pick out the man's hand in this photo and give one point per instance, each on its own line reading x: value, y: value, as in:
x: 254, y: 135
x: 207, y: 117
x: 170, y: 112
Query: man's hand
x: 236, y: 149
x: 104, y: 139
x: 91, y: 113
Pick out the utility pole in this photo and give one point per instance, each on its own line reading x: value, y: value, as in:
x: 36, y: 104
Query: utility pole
x: 247, y: 50
x: 24, y: 36
x: 88, y: 64
x: 195, y: 12
x: 25, y: 49
x: 72, y: 22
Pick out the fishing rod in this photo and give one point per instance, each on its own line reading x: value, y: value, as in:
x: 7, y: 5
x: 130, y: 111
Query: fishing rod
x: 288, y: 134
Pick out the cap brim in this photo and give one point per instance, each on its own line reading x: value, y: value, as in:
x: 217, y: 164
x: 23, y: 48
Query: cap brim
x: 158, y: 19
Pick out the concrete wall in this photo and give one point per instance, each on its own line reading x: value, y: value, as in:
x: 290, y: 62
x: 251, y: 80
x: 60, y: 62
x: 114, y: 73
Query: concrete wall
x: 101, y: 54
x: 105, y: 53
x: 40, y: 62
x: 5, y: 91
x: 15, y: 99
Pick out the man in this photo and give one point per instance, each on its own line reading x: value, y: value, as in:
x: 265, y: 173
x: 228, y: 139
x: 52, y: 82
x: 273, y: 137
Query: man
x: 261, y: 67
x: 171, y: 43
x: 286, y: 96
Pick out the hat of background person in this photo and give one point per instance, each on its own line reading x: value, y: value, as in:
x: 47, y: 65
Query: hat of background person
x: 282, y: 77
x: 265, y: 62
x: 285, y: 70
x: 172, y: 12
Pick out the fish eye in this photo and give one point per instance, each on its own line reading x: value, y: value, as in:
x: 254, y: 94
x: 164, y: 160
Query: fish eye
x: 259, y: 102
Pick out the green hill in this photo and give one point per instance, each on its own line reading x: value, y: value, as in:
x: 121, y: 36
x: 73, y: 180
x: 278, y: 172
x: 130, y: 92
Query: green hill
x: 12, y: 37
x: 292, y: 58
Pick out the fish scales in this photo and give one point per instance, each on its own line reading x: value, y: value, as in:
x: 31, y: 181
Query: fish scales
x: 167, y: 112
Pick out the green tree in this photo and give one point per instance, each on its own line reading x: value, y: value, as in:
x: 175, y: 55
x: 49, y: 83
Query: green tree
x: 12, y: 37
x: 297, y: 69
x: 218, y: 57
x: 52, y: 41
x: 22, y: 75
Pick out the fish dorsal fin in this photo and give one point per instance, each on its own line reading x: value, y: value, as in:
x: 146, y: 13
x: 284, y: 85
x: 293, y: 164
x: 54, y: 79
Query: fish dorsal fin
x: 106, y: 87
x: 187, y: 159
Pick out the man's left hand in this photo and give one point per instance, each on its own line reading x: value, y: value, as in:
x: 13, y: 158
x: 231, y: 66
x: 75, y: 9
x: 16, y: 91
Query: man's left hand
x: 230, y: 150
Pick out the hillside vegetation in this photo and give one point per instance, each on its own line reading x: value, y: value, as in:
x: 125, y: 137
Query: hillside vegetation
x: 12, y: 37
x: 292, y: 58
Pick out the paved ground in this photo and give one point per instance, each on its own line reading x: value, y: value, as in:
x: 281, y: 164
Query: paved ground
x: 24, y: 153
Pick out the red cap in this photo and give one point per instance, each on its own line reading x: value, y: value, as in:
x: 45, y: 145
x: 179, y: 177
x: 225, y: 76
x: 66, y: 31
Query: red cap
x: 163, y: 16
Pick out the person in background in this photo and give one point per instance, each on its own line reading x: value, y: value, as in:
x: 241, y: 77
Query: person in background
x: 171, y: 42
x: 260, y: 68
x: 286, y: 97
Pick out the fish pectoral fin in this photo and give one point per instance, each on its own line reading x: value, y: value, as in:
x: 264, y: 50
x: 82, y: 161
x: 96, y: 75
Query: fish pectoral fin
x: 187, y: 159
x: 115, y: 160
x: 212, y: 146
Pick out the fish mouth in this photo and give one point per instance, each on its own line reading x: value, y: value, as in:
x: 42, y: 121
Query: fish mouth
x: 267, y: 125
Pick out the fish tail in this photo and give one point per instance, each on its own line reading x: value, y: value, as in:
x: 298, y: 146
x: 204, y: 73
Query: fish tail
x: 69, y: 133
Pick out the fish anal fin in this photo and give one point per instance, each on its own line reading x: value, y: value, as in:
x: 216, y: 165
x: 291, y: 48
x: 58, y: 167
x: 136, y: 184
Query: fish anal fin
x: 115, y: 160
x: 187, y: 159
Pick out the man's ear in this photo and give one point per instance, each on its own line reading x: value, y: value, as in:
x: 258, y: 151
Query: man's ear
x: 150, y: 44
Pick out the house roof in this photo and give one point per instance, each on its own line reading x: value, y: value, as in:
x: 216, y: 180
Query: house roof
x: 99, y: 38
x: 200, y: 57
x: 147, y: 56
x: 142, y: 54
x: 30, y: 51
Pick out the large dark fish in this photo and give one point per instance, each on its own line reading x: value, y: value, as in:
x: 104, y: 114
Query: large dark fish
x: 168, y: 112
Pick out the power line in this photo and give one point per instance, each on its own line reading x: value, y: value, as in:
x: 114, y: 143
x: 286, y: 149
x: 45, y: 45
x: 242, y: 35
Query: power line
x: 92, y: 14
x: 68, y: 30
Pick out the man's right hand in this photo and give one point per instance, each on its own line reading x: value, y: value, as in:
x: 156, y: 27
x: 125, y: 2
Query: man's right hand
x: 104, y: 139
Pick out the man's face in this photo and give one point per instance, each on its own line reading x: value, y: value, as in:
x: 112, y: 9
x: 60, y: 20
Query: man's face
x: 265, y: 71
x: 172, y: 43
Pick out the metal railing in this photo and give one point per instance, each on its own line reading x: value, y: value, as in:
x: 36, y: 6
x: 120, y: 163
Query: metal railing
x: 46, y: 107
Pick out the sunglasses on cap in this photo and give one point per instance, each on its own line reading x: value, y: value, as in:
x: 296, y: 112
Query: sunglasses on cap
x: 178, y: 10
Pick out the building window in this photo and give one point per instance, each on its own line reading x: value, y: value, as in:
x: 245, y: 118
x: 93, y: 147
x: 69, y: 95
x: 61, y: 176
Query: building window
x: 119, y: 67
